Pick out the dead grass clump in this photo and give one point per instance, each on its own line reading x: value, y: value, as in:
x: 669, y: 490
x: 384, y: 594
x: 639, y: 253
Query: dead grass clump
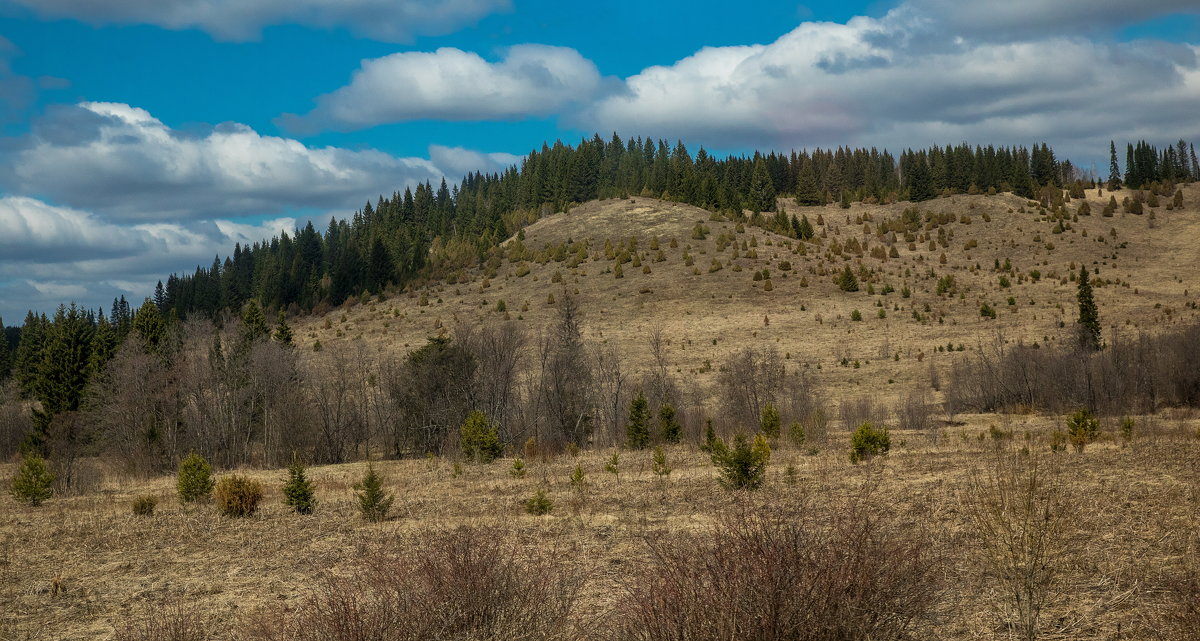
x: 838, y: 571
x: 470, y: 583
x: 238, y: 496
x: 173, y: 623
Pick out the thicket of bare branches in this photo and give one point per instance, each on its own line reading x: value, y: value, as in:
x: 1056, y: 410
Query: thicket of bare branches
x: 1138, y: 374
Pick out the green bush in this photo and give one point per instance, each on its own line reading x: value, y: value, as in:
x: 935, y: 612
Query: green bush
x: 194, y: 481
x: 299, y: 492
x: 1127, y: 425
x: 868, y: 441
x: 32, y: 484
x: 659, y: 463
x: 144, y: 505
x: 480, y: 441
x: 847, y: 281
x: 743, y: 466
x: 238, y: 496
x: 1082, y: 428
x: 373, y: 502
x: 769, y: 421
x: 539, y: 504
x: 517, y: 470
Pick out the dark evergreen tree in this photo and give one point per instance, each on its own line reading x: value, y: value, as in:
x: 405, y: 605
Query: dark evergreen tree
x: 1089, y: 315
x: 762, y: 190
x: 62, y: 372
x: 5, y: 354
x: 283, y: 332
x: 668, y: 425
x: 149, y: 326
x: 27, y: 358
x: 254, y: 323
x: 918, y: 179
x: 637, y: 430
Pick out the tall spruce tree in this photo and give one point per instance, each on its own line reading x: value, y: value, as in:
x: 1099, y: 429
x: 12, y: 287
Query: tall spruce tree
x: 63, y: 372
x: 762, y: 190
x: 5, y: 354
x: 637, y: 430
x: 1089, y: 315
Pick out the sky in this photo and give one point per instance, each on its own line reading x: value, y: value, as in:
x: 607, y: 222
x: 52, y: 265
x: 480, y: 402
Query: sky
x: 139, y: 139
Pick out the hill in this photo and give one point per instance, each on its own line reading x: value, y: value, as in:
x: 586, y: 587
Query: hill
x: 706, y: 295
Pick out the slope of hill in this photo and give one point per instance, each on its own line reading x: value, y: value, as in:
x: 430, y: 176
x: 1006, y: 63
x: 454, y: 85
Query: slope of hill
x: 698, y: 278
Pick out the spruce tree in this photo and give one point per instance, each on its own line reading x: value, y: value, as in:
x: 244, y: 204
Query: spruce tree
x: 668, y: 425
x: 150, y: 327
x: 1089, y: 315
x: 33, y: 482
x: 283, y: 332
x: 806, y: 228
x: 5, y: 354
x: 254, y: 323
x: 769, y: 421
x: 27, y: 358
x: 808, y: 193
x: 637, y: 430
x: 373, y: 501
x: 847, y: 281
x: 63, y: 372
x: 1114, y: 170
x: 299, y: 492
x: 480, y: 440
x: 762, y: 190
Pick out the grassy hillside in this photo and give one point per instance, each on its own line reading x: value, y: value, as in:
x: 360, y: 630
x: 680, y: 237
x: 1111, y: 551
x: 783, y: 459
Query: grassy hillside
x: 1146, y: 280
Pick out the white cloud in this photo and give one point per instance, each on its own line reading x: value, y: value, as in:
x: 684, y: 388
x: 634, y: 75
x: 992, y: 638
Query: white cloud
x: 51, y: 254
x: 456, y: 161
x: 388, y: 20
x: 899, y: 81
x: 121, y: 161
x: 451, y: 84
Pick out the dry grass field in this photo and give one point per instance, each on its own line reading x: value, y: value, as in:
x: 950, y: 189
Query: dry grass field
x: 83, y: 567
x: 1115, y: 528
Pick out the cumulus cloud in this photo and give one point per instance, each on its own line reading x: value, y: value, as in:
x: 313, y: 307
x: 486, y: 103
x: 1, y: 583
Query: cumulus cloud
x: 452, y: 84
x: 899, y: 81
x: 104, y: 199
x: 239, y: 20
x: 121, y: 161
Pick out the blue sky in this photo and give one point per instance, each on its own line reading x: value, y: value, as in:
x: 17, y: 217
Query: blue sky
x: 141, y: 138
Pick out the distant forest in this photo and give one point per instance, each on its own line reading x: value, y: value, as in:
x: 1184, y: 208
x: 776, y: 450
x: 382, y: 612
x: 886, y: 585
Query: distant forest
x: 433, y: 231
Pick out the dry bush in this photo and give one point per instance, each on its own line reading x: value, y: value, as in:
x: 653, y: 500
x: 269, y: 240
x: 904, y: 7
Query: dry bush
x: 853, y: 413
x: 913, y: 411
x: 175, y: 622
x: 470, y: 583
x: 1021, y: 519
x: 822, y: 571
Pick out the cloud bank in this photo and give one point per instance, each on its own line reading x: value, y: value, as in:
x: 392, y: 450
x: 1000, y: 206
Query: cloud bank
x: 240, y: 20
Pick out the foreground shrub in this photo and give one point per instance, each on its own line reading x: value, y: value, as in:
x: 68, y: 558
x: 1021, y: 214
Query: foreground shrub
x: 373, y: 502
x: 194, y: 481
x: 33, y: 483
x: 175, y: 622
x: 144, y: 505
x: 469, y: 584
x: 869, y: 441
x: 238, y: 496
x: 299, y: 492
x: 817, y: 573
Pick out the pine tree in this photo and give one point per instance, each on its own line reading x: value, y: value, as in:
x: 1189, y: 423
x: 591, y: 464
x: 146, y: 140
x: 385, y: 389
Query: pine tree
x: 668, y: 425
x: 1089, y: 316
x: 769, y: 421
x: 637, y: 430
x: 254, y: 323
x: 762, y: 190
x: 63, y: 372
x: 283, y: 332
x: 299, y: 492
x: 27, y: 358
x: 806, y: 229
x: 919, y: 180
x: 5, y: 354
x: 150, y: 327
x: 479, y: 440
x: 33, y: 482
x: 373, y: 502
x: 847, y: 281
x: 808, y: 193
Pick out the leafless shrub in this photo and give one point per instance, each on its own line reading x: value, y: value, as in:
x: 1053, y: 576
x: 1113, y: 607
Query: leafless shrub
x: 750, y: 379
x: 913, y: 410
x: 471, y: 583
x: 1021, y: 522
x: 855, y: 412
x: 176, y: 622
x: 14, y: 419
x: 821, y: 572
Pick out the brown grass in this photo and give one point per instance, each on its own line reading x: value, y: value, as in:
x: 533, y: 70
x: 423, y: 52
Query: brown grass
x: 1137, y: 504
